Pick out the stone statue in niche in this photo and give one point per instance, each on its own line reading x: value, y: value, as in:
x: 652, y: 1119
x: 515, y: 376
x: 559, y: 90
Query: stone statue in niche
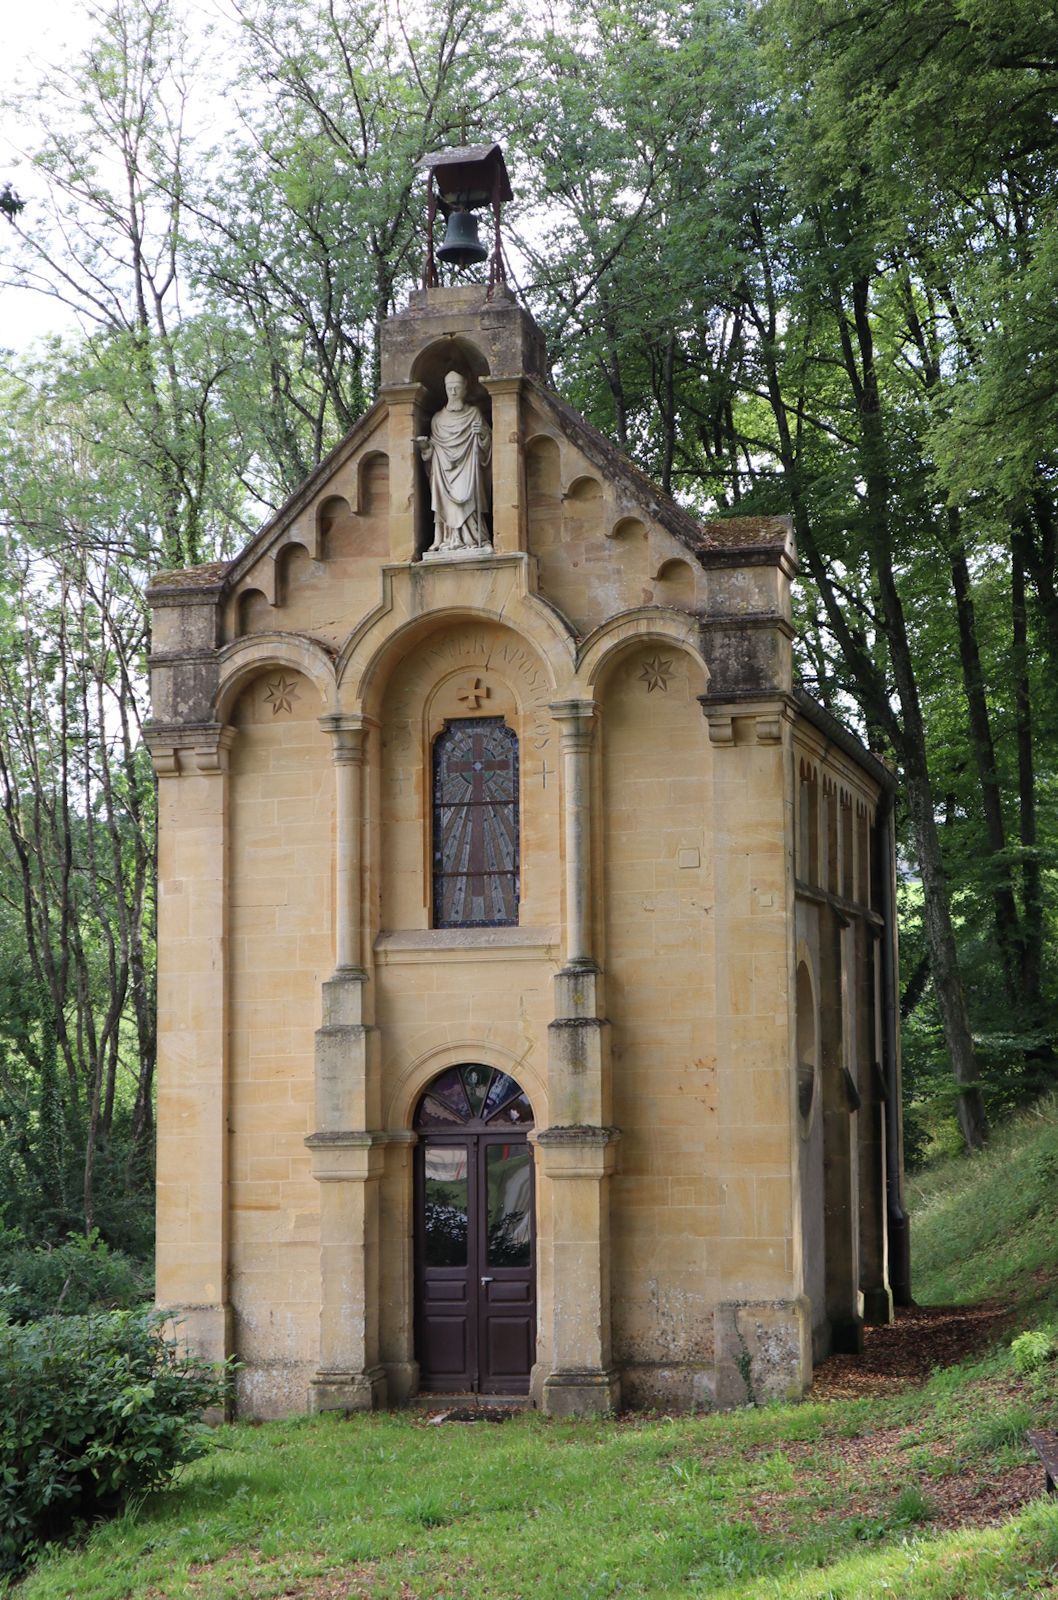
x: 457, y: 456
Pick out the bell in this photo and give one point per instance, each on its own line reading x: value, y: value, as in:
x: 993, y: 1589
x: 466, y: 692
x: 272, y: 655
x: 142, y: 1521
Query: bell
x: 462, y: 247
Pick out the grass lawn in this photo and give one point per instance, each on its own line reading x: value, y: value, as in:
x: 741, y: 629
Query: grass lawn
x: 913, y: 1493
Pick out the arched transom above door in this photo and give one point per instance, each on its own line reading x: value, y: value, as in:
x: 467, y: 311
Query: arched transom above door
x: 474, y: 1097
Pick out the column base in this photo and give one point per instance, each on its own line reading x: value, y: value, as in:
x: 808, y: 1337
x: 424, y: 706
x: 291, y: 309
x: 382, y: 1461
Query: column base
x: 207, y: 1333
x: 349, y: 1391
x: 582, y: 1394
x: 846, y: 1336
x: 402, y: 1382
x: 878, y: 1306
x: 763, y: 1351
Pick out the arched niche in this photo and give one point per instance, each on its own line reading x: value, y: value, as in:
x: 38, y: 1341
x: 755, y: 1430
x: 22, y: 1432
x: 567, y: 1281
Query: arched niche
x: 455, y: 354
x: 631, y: 553
x: 807, y: 1048
x: 583, y: 493
x: 629, y: 531
x: 334, y: 526
x: 675, y: 583
x: 253, y: 614
x: 372, y: 481
x: 807, y: 863
x: 293, y: 565
x: 543, y: 471
x: 583, y: 516
x: 275, y: 695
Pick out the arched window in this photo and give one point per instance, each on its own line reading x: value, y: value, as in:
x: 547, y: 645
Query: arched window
x: 475, y: 825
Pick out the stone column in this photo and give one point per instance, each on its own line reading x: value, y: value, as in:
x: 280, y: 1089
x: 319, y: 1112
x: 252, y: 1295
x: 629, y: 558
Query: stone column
x: 397, y: 1271
x: 874, y: 1244
x: 348, y: 1167
x: 840, y: 1099
x: 508, y: 482
x: 348, y: 733
x: 346, y: 1153
x: 405, y: 401
x: 577, y: 1151
x: 576, y: 721
x: 192, y: 1239
x: 578, y: 1162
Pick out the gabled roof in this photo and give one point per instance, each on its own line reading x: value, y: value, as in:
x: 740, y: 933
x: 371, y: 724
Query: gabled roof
x: 751, y: 538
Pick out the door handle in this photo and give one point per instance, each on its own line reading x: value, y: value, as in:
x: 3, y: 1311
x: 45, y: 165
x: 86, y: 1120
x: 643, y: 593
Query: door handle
x: 487, y: 1280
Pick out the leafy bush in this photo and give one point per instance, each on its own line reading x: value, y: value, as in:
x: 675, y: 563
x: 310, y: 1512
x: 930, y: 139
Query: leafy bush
x: 79, y: 1276
x: 93, y: 1410
x: 1031, y: 1349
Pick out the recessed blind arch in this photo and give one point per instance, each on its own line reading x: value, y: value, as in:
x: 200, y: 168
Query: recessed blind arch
x: 475, y: 824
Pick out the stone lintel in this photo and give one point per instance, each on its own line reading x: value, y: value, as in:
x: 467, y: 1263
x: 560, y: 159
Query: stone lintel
x: 350, y: 1391
x: 589, y: 1393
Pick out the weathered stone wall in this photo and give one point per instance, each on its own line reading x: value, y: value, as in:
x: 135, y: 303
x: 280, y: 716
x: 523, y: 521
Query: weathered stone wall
x: 281, y: 911
x: 658, y: 902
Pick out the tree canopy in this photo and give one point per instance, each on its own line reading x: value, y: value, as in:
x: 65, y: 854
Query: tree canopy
x: 792, y: 255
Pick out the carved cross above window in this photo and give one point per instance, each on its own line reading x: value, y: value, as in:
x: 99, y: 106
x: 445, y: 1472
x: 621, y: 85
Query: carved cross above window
x: 472, y: 692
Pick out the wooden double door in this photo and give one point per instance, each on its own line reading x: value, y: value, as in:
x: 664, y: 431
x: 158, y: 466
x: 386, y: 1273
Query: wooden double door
x: 475, y: 1243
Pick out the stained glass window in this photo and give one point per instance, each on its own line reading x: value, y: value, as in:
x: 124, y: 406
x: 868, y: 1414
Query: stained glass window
x: 473, y: 1094
x: 475, y: 823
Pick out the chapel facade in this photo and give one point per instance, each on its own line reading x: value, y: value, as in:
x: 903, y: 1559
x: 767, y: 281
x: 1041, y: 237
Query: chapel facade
x: 526, y: 945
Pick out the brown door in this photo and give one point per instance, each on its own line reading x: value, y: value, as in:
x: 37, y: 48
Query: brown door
x: 474, y: 1235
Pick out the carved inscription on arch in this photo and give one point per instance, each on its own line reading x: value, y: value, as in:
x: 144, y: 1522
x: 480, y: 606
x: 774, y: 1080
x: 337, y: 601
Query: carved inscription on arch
x: 476, y: 651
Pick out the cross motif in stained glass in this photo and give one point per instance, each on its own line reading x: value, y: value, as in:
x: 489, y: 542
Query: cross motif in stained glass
x: 475, y: 855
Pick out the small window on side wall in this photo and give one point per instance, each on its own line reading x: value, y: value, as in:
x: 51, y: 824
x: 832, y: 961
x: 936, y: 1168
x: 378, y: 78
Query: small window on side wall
x: 475, y: 825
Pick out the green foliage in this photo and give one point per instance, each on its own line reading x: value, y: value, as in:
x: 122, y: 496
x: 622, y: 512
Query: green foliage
x: 1031, y: 1350
x: 93, y: 1411
x: 986, y: 1227
x: 73, y: 1278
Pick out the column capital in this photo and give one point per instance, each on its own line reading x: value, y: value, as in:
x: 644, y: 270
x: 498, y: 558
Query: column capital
x: 576, y: 720
x: 497, y: 386
x: 181, y: 748
x: 403, y: 394
x: 584, y: 1152
x: 348, y: 730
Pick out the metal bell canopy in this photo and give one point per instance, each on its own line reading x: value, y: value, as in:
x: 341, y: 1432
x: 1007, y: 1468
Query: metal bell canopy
x: 461, y: 181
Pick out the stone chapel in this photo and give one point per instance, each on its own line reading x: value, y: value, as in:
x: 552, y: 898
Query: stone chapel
x: 526, y: 945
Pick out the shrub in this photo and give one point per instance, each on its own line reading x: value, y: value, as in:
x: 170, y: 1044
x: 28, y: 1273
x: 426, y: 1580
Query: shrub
x: 79, y: 1276
x: 1031, y: 1349
x: 93, y: 1410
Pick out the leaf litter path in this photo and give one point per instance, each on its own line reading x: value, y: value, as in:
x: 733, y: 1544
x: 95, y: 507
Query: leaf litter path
x: 902, y: 1355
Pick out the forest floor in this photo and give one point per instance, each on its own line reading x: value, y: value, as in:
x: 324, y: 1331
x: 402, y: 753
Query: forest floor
x: 905, y: 1473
